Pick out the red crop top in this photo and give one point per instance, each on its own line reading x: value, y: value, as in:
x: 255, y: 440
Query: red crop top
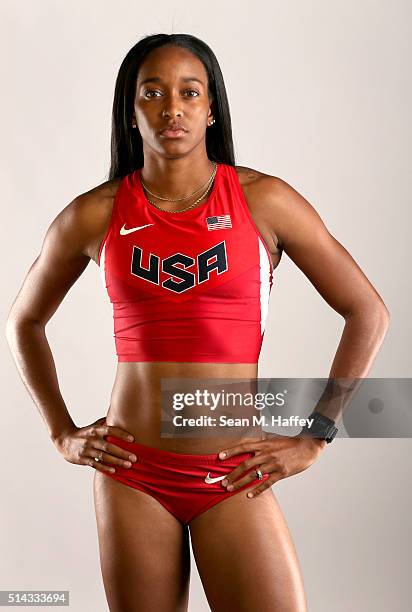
x: 192, y: 286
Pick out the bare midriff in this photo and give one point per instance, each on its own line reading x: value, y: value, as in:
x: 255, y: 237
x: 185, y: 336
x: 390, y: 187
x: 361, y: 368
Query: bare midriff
x: 136, y: 402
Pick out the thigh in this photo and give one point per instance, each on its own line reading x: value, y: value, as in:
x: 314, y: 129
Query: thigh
x: 246, y: 557
x: 144, y: 550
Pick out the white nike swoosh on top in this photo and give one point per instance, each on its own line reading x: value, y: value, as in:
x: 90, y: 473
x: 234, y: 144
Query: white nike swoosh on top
x: 209, y: 480
x: 124, y: 231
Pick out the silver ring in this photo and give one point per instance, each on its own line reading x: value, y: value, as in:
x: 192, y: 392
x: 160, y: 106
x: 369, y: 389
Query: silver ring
x: 96, y: 459
x: 259, y: 474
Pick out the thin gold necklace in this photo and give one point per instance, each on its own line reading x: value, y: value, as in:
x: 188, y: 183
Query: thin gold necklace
x: 210, y: 181
x: 177, y: 199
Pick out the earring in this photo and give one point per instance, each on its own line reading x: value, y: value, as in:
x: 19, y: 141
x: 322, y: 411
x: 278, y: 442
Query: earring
x: 212, y: 122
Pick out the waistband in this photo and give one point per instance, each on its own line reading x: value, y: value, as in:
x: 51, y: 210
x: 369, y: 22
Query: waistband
x: 150, y: 453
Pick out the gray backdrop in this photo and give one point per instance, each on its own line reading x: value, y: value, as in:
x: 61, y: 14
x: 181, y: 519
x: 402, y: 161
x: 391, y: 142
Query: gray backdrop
x: 320, y: 95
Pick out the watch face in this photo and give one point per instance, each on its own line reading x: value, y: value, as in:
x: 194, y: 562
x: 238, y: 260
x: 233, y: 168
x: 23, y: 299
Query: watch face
x: 324, y: 420
x: 322, y: 427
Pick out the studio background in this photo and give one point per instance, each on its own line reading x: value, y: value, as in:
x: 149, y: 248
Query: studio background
x: 320, y: 95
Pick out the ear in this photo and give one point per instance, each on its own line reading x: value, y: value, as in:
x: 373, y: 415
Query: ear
x: 211, y: 113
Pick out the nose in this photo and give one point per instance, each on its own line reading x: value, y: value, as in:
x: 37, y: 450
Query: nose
x: 172, y: 107
x: 170, y: 112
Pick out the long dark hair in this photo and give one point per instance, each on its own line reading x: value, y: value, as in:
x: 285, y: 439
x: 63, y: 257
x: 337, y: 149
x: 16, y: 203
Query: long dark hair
x: 126, y: 142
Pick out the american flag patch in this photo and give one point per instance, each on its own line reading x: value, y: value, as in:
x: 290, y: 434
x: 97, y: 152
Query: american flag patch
x: 219, y: 222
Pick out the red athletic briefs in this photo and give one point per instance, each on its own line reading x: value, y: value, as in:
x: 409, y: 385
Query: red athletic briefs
x: 191, y: 286
x: 177, y: 480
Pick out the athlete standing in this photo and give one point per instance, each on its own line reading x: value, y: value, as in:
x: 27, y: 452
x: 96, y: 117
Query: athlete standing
x: 187, y: 244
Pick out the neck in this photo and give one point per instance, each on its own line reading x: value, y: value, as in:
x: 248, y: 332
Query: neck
x: 174, y: 178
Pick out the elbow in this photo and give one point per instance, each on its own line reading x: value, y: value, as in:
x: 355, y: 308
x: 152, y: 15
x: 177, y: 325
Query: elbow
x: 382, y: 314
x: 386, y: 315
x: 383, y: 318
x: 11, y: 321
x: 11, y: 327
x: 10, y: 332
x: 10, y: 324
x: 15, y: 326
x: 373, y: 312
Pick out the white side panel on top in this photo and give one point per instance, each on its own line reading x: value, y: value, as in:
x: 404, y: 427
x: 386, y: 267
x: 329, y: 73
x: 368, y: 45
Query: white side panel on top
x: 264, y: 284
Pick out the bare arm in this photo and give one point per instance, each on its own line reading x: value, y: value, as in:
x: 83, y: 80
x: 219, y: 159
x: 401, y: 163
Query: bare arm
x: 76, y: 231
x: 302, y: 234
x: 295, y: 227
x: 60, y: 263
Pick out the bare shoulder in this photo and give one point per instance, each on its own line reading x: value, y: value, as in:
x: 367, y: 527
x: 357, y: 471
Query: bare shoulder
x: 98, y: 201
x: 259, y: 189
x: 89, y: 214
x: 280, y: 206
x: 67, y: 248
x: 247, y: 175
x: 254, y: 180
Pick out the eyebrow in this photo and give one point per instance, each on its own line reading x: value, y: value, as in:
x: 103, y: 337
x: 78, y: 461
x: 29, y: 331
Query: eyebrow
x: 159, y: 80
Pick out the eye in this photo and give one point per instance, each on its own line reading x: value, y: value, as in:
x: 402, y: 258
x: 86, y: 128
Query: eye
x: 154, y: 91
x: 150, y: 91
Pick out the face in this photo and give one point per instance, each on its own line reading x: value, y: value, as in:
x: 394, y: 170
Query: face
x: 171, y: 87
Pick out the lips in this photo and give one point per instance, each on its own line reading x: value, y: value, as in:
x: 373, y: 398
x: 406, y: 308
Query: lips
x: 175, y: 127
x: 173, y: 132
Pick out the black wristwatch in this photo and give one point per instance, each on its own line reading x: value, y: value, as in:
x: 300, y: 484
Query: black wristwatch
x: 322, y: 427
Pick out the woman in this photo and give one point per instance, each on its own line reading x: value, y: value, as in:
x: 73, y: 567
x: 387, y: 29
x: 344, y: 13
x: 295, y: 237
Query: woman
x: 183, y: 237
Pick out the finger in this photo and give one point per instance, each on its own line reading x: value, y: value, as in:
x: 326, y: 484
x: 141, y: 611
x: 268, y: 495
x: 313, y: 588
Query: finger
x: 250, y: 476
x: 113, y: 449
x: 104, y: 457
x: 112, y: 430
x: 244, y: 447
x: 100, y: 467
x: 262, y: 487
x: 243, y: 467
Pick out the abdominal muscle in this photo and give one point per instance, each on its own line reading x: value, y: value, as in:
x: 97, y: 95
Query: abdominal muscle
x: 136, y: 403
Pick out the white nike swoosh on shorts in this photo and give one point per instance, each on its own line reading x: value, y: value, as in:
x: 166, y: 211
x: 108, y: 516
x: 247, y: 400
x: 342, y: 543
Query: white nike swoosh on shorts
x: 124, y: 231
x: 209, y: 480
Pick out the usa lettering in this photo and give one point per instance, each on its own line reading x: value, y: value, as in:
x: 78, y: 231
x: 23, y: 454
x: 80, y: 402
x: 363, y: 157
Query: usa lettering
x: 176, y: 266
